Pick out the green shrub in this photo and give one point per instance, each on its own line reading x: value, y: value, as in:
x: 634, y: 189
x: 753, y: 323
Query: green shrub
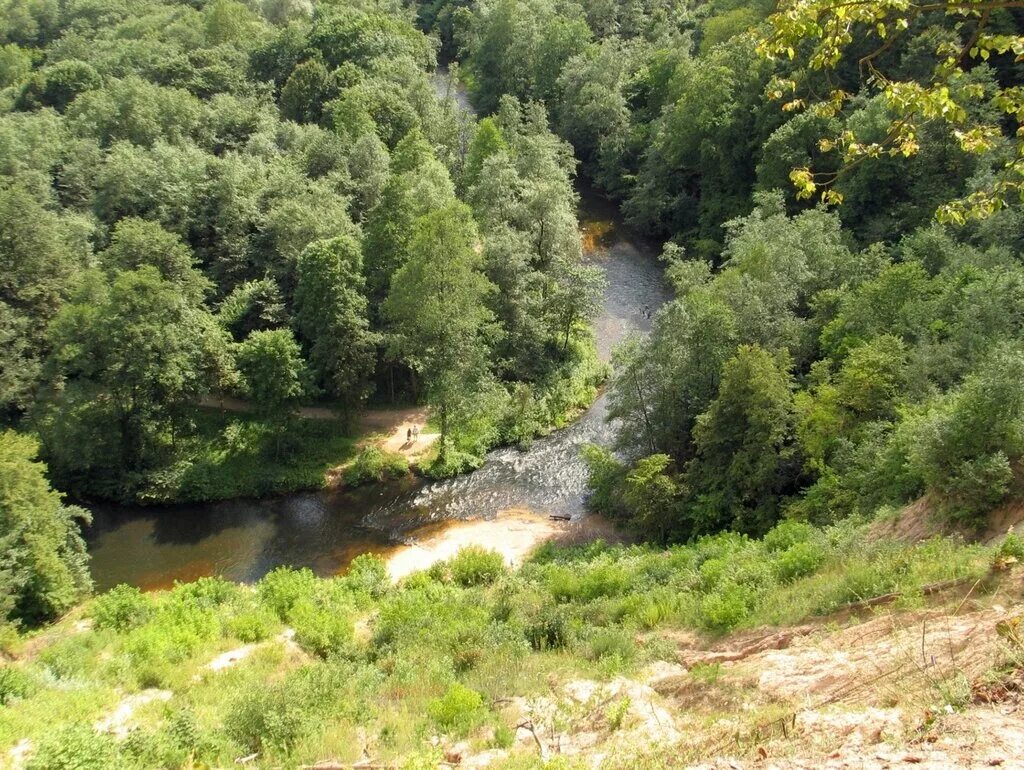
x: 1011, y: 546
x: 321, y: 630
x: 548, y: 629
x: 275, y: 715
x: 15, y: 683
x: 456, y: 462
x: 374, y: 464
x: 206, y: 591
x: 74, y: 747
x: 72, y: 657
x: 121, y: 608
x: 474, y: 565
x: 368, y: 572
x: 610, y: 643
x: 726, y: 608
x: 152, y: 749
x: 458, y: 710
x: 177, y: 632
x: 281, y: 588
x: 252, y: 625
x: 798, y: 560
x: 786, y: 534
x: 649, y: 609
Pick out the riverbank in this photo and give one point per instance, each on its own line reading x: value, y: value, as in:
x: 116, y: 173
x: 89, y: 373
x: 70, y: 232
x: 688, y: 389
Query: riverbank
x: 513, y: 534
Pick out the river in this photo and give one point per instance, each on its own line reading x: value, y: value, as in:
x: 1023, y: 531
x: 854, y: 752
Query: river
x: 244, y: 539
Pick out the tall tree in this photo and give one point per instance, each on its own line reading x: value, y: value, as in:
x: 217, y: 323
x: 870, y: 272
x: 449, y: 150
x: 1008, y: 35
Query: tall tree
x: 44, y: 567
x: 145, y: 350
x: 331, y: 313
x: 744, y: 447
x: 437, y: 306
x: 273, y: 377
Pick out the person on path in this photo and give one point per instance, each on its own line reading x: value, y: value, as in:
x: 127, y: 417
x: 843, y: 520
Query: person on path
x: 408, y: 435
x: 415, y: 432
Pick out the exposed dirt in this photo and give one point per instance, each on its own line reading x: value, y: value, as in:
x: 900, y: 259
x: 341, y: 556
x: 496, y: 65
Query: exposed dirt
x: 897, y: 690
x: 119, y: 721
x: 920, y: 521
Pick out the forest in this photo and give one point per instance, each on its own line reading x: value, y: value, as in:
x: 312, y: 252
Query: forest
x: 284, y: 203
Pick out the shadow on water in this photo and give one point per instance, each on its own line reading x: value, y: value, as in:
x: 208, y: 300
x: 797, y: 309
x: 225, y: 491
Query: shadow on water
x: 244, y: 539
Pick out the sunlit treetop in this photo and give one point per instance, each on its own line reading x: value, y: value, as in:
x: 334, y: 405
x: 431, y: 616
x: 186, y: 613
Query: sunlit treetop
x: 822, y: 35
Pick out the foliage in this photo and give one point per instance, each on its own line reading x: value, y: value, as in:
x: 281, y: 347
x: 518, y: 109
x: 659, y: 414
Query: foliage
x: 121, y: 608
x: 45, y: 567
x: 177, y: 177
x: 968, y: 111
x: 272, y: 371
x: 473, y: 566
x: 75, y: 747
x: 457, y: 710
x: 375, y: 464
x: 439, y: 654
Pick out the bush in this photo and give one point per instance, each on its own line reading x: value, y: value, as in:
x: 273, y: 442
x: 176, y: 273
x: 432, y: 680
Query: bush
x: 1012, y: 546
x: 725, y: 609
x: 368, y: 573
x: 798, y: 560
x: 121, y: 608
x: 458, y: 710
x: 281, y: 588
x: 374, y: 464
x: 176, y: 633
x: 15, y: 683
x: 72, y: 657
x: 321, y: 630
x: 456, y: 462
x: 206, y: 591
x: 474, y: 565
x: 76, y: 747
x: 548, y: 629
x: 270, y: 716
x: 610, y: 643
x: 786, y: 534
x: 252, y: 625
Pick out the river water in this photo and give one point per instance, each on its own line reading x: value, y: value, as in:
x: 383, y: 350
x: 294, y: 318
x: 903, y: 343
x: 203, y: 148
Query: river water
x: 244, y: 539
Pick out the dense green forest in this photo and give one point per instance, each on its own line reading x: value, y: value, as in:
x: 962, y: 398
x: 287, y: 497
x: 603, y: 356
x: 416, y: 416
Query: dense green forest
x: 273, y: 202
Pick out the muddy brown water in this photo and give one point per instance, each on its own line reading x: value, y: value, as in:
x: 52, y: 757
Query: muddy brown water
x: 242, y: 540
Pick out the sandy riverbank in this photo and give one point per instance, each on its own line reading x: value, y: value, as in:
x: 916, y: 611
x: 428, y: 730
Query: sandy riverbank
x: 514, y: 534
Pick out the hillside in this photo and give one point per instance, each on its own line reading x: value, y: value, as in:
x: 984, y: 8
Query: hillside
x: 727, y: 653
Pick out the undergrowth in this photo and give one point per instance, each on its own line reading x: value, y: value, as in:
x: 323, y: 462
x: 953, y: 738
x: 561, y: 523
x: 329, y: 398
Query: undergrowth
x: 370, y: 663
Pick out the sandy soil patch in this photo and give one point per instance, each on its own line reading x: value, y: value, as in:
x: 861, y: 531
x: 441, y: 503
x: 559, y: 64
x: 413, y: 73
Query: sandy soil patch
x: 513, y: 534
x: 118, y: 721
x: 231, y: 657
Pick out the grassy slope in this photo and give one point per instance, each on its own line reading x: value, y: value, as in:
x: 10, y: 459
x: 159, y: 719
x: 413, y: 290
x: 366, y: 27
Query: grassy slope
x: 448, y: 652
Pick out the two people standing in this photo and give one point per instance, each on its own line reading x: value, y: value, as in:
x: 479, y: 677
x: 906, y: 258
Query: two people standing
x: 413, y: 433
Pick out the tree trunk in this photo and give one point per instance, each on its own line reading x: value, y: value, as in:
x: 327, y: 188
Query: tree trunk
x: 444, y: 434
x: 643, y: 410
